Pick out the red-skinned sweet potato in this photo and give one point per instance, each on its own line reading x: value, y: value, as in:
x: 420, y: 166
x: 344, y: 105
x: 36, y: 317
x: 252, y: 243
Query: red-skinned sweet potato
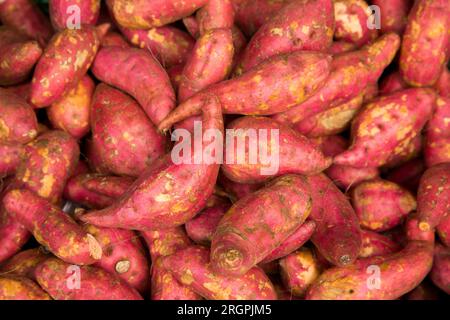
x: 24, y: 263
x: 63, y: 12
x: 20, y: 288
x: 215, y: 14
x: 440, y: 273
x: 442, y: 85
x: 443, y: 230
x: 338, y: 47
x: 410, y: 151
x: 393, y: 14
x: 375, y: 244
x: 437, y: 137
x: 414, y: 232
x: 12, y: 154
x: 114, y: 39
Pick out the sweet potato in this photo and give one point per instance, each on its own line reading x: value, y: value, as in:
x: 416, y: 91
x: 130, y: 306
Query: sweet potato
x: 25, y: 16
x: 437, y: 145
x: 125, y: 139
x: 18, y: 121
x: 293, y: 242
x: 337, y: 236
x: 168, y: 44
x: 173, y: 189
x: 64, y: 281
x: 62, y: 13
x: 273, y: 86
x: 443, y: 230
x: 136, y: 72
x: 257, y: 224
x: 350, y: 75
x: 408, y: 174
x: 114, y: 39
x: 299, y: 25
x: 299, y: 270
x: 215, y: 14
x: 191, y: 267
x: 12, y: 154
x: 386, y: 126
x: 376, y: 278
x: 52, y: 228
x: 414, y: 232
x: 440, y: 273
x: 433, y: 196
x: 410, y: 151
x: 375, y: 244
x: 236, y: 190
x: 24, y: 263
x: 23, y: 91
x: 338, y: 47
x: 442, y: 85
x: 142, y: 14
x: 65, y: 61
x: 391, y: 83
x: 13, y: 235
x: 71, y: 112
x: 192, y: 26
x: 20, y: 288
x: 393, y: 14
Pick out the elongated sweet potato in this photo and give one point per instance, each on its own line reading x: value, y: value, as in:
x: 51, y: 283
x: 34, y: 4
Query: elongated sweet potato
x: 12, y: 154
x: 25, y: 16
x: 174, y: 188
x: 127, y: 142
x: 386, y: 126
x: 375, y: 244
x: 20, y: 288
x: 376, y: 278
x: 393, y: 14
x: 52, y: 227
x: 433, y: 196
x: 299, y: 25
x: 71, y: 112
x: 257, y: 224
x: 437, y: 145
x: 273, y: 86
x: 215, y: 14
x: 381, y: 205
x: 443, y: 230
x: 64, y: 281
x: 440, y: 273
x: 290, y: 152
x: 191, y: 267
x: 65, y: 61
x: 337, y: 236
x: 136, y: 72
x: 425, y: 42
x: 68, y: 13
x: 350, y: 75
x: 408, y: 174
x: 24, y: 263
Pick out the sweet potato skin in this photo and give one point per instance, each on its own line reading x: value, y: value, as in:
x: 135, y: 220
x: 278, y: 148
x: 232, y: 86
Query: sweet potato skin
x: 54, y: 275
x: 52, y: 228
x: 386, y: 126
x: 191, y: 267
x: 60, y: 12
x: 24, y: 263
x: 443, y: 230
x: 408, y: 174
x: 394, y: 14
x: 127, y: 142
x: 440, y: 273
x: 442, y: 85
x: 437, y: 136
x: 380, y: 205
x: 20, y: 288
x: 376, y: 244
x: 425, y: 42
x: 136, y: 72
x: 235, y: 190
x: 12, y: 154
x: 215, y: 14
x: 399, y: 273
x: 257, y: 224
x: 412, y: 230
x: 65, y: 61
x: 112, y: 39
x: 71, y: 112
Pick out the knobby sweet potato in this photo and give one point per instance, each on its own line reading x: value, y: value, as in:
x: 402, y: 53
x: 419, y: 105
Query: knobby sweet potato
x: 437, y: 145
x: 376, y: 244
x: 20, y: 288
x: 67, y: 13
x: 440, y: 273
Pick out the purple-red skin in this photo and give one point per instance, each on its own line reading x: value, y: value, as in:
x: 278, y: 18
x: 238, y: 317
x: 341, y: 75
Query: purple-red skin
x: 338, y: 235
x: 391, y: 83
x: 14, y: 287
x: 386, y: 127
x: 376, y: 244
x: 414, y: 232
x: 259, y: 223
x: 136, y: 72
x: 168, y: 44
x: 409, y: 152
x: 18, y: 123
x: 338, y: 47
x: 440, y: 273
x: 437, y: 135
x: 110, y: 186
x: 12, y: 154
x: 54, y: 275
x: 114, y: 39
x: 175, y: 74
x: 215, y: 14
x: 293, y: 242
x: 191, y: 267
x: 126, y: 140
x: 142, y: 14
x: 433, y: 196
x: 236, y: 190
x: 168, y: 193
x: 443, y: 230
x: 394, y: 14
x: 350, y: 75
x: 442, y: 85
x: 25, y: 16
x: 22, y: 90
x: 24, y: 263
x: 299, y: 25
x: 273, y: 86
x: 191, y: 25
x: 64, y: 63
x: 61, y: 12
x: 425, y: 43
x: 295, y: 153
x: 408, y: 174
x: 13, y: 234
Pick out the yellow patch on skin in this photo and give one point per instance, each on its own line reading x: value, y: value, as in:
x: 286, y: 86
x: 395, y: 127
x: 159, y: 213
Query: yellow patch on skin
x: 47, y: 185
x: 277, y: 32
x: 350, y: 22
x: 163, y: 197
x: 4, y: 129
x: 187, y: 278
x: 81, y: 58
x: 155, y: 36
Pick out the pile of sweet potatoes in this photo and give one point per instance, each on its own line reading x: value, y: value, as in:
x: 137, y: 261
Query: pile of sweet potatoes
x: 224, y: 149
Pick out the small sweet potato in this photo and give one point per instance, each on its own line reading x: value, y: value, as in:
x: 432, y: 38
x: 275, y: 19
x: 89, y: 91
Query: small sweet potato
x: 375, y: 244
x: 215, y: 14
x: 136, y: 72
x: 440, y: 273
x: 126, y: 140
x: 381, y: 205
x: 386, y: 126
x: 376, y: 278
x: 62, y: 12
x: 24, y: 263
x: 393, y: 14
x: 71, y: 112
x: 20, y: 288
x: 64, y: 281
x: 443, y: 230
x: 425, y: 42
x: 191, y: 267
x: 52, y: 228
x: 437, y: 145
x: 12, y: 154
x: 257, y: 224
x: 408, y: 174
x: 65, y: 61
